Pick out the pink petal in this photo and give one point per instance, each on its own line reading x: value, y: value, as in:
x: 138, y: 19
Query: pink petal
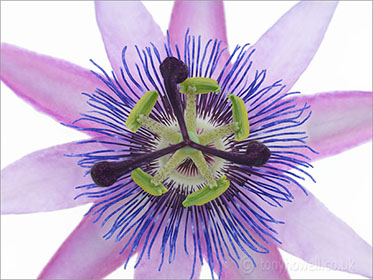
x: 287, y: 48
x: 85, y: 254
x: 51, y: 85
x: 312, y: 233
x: 339, y: 121
x: 180, y: 268
x: 127, y: 23
x: 45, y: 180
x: 205, y: 18
x: 268, y: 266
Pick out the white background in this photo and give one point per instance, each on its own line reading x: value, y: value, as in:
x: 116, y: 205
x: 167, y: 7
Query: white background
x: 68, y: 30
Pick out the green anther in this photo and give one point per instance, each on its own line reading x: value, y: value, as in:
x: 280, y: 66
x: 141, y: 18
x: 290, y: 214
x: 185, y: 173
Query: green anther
x: 158, y: 128
x: 143, y: 107
x: 207, y: 194
x: 218, y: 133
x: 240, y: 117
x: 171, y: 164
x: 199, y: 160
x: 201, y: 85
x: 144, y: 181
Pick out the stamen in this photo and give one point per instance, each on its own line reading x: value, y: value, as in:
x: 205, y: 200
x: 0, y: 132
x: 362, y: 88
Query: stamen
x: 200, y: 85
x: 174, y: 71
x: 143, y: 107
x: 106, y: 173
x: 190, y: 110
x: 144, y: 180
x: 240, y: 116
x: 218, y: 133
x: 171, y: 164
x: 191, y: 87
x: 207, y: 194
x: 159, y: 128
x: 257, y: 154
x: 203, y: 168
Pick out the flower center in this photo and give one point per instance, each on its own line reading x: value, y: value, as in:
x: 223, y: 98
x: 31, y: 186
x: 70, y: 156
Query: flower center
x: 185, y: 143
x: 187, y: 173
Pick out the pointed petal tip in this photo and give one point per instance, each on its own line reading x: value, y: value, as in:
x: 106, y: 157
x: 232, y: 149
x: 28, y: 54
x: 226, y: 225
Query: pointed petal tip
x: 299, y: 31
x: 52, y: 86
x: 117, y: 23
x: 201, y: 18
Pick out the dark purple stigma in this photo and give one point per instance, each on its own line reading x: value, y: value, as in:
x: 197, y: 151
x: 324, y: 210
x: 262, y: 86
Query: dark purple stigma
x: 175, y: 71
x: 106, y: 173
x: 257, y: 154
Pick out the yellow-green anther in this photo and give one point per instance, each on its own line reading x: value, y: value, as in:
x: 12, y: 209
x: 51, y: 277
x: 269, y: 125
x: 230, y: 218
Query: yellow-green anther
x: 171, y: 164
x: 218, y: 133
x: 201, y: 85
x: 144, y: 181
x: 207, y: 194
x: 203, y: 168
x: 143, y: 107
x: 159, y: 128
x: 240, y: 117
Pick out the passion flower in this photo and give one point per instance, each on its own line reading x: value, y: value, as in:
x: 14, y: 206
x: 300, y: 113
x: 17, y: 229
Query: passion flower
x: 205, y: 159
